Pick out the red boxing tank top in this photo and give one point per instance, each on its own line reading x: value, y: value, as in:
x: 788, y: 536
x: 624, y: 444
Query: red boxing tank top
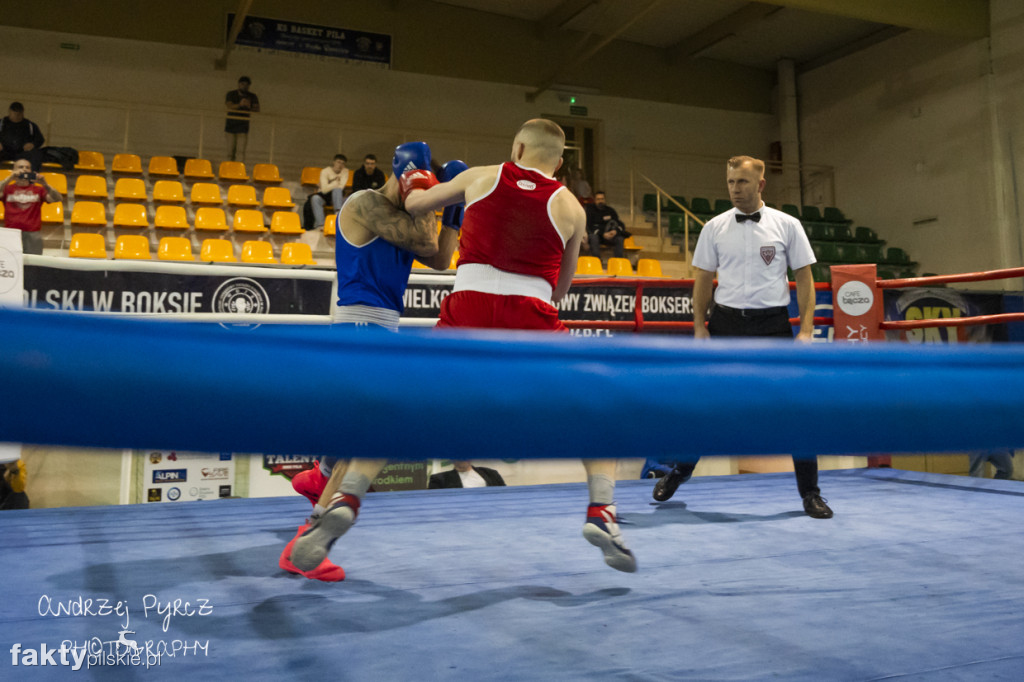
x: 510, y: 227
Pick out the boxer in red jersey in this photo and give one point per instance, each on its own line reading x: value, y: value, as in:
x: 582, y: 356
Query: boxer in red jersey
x: 520, y: 238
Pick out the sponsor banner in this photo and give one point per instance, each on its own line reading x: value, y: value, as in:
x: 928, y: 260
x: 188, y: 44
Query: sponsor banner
x: 171, y: 476
x: 11, y: 269
x: 113, y: 289
x: 275, y: 35
x: 401, y: 476
x: 942, y: 303
x: 288, y: 465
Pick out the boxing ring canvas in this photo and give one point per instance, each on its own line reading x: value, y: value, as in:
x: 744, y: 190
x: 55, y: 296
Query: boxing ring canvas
x: 918, y: 577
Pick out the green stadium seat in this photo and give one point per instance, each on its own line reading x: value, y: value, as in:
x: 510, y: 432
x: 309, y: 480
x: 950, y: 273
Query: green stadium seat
x: 834, y: 215
x: 869, y: 253
x: 821, y: 272
x: 846, y: 253
x: 825, y: 252
x: 650, y: 203
x: 841, y: 233
x: 701, y: 207
x: 722, y: 205
x: 896, y: 256
x: 817, y: 233
x: 865, y: 235
x: 790, y: 209
x: 670, y: 206
x: 810, y: 214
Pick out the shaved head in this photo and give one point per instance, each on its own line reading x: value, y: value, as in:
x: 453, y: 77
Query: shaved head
x: 542, y: 139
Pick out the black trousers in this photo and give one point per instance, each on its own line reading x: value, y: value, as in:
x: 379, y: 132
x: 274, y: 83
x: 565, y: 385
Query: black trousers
x: 774, y: 323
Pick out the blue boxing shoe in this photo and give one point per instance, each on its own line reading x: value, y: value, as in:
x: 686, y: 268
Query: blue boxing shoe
x: 602, y: 531
x: 311, y: 547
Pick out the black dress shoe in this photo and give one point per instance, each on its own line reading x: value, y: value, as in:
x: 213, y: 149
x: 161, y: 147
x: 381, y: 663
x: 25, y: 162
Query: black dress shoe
x: 666, y: 486
x: 815, y: 507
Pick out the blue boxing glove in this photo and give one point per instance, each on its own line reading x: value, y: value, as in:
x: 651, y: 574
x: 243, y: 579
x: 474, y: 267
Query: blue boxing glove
x: 451, y: 216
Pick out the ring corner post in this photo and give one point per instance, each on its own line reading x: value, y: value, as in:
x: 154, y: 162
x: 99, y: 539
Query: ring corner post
x: 857, y: 306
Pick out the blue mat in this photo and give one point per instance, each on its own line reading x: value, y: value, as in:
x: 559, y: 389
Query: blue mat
x: 918, y: 577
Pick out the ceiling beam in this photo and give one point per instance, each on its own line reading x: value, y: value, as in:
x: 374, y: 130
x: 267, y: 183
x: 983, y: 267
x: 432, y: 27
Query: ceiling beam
x: 566, y: 11
x: 236, y: 27
x: 725, y: 27
x: 959, y: 18
x: 879, y: 36
x: 581, y: 58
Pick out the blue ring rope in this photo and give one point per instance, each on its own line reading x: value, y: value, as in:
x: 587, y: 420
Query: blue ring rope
x: 88, y: 381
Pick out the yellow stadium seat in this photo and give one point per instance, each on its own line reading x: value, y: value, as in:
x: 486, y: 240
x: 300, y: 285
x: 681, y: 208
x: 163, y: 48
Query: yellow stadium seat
x: 232, y: 171
x: 330, y: 225
x: 285, y: 222
x: 248, y: 220
x: 164, y: 166
x: 630, y: 245
x: 455, y: 260
x: 132, y: 247
x: 90, y: 161
x: 416, y: 265
x: 171, y: 218
x: 206, y: 193
x: 242, y: 195
x: 648, y: 267
x: 217, y: 251
x: 297, y: 253
x: 257, y: 252
x: 1, y: 212
x: 89, y: 213
x: 168, y: 192
x: 87, y: 245
x: 175, y: 248
x: 53, y: 213
x: 199, y: 169
x: 589, y: 265
x: 58, y: 181
x: 129, y: 164
x: 311, y: 176
x: 130, y: 189
x: 266, y: 172
x: 130, y: 215
x: 92, y: 186
x: 4, y: 174
x: 620, y: 267
x: 208, y: 218
x: 277, y: 197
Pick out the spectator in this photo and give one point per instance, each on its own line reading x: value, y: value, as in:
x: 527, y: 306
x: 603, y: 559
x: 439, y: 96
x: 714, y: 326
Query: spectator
x: 20, y: 137
x: 465, y: 475
x: 604, y: 227
x: 1002, y: 460
x: 579, y: 186
x: 12, y: 486
x: 239, y: 103
x: 24, y: 192
x: 368, y: 176
x: 333, y: 179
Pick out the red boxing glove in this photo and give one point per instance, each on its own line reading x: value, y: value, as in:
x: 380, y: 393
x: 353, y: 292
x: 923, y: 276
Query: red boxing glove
x: 415, y: 179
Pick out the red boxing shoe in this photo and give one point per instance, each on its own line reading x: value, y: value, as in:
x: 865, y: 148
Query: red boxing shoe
x: 326, y: 572
x: 310, y: 483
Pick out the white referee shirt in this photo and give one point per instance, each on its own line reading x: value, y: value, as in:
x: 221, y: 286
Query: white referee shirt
x: 751, y: 258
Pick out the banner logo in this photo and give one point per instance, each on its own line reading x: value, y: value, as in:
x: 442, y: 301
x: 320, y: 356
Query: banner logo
x: 241, y: 296
x: 855, y: 298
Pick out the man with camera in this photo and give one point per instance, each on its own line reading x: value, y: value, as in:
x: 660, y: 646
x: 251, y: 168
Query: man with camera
x: 604, y: 227
x: 24, y: 192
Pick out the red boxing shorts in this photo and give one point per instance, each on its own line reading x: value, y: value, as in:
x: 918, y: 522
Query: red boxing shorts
x: 492, y: 311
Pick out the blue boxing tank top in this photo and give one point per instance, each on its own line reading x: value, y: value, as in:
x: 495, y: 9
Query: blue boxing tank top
x: 374, y: 274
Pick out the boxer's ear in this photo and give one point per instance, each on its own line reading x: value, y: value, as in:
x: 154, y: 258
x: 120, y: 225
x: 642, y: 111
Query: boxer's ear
x: 560, y: 162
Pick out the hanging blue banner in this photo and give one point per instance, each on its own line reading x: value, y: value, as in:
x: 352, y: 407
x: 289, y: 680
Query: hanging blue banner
x: 324, y: 41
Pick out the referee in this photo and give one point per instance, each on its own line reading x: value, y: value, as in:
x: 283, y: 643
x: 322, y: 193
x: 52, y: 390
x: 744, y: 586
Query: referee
x: 750, y: 246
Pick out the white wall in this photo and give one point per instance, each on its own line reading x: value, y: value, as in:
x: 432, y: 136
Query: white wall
x: 917, y: 128
x: 370, y: 109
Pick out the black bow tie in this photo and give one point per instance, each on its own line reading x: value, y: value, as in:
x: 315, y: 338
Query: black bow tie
x: 742, y: 218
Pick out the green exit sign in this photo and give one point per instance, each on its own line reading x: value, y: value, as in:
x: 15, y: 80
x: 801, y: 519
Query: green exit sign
x: 578, y: 111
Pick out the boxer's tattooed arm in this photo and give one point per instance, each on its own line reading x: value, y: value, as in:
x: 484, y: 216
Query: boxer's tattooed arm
x: 417, y: 234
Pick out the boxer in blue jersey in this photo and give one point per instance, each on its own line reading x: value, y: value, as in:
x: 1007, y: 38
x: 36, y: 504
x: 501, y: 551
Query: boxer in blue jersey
x: 376, y: 244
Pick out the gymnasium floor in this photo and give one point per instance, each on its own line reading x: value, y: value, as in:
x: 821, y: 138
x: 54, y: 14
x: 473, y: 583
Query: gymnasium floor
x: 918, y: 577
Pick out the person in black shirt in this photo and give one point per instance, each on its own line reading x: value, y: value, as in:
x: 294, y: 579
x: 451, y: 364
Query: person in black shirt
x: 465, y: 475
x: 20, y: 137
x: 368, y: 176
x: 604, y: 227
x: 239, y: 103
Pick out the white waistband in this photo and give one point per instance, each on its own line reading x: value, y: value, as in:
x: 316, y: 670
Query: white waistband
x: 365, y: 314
x: 490, y: 280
